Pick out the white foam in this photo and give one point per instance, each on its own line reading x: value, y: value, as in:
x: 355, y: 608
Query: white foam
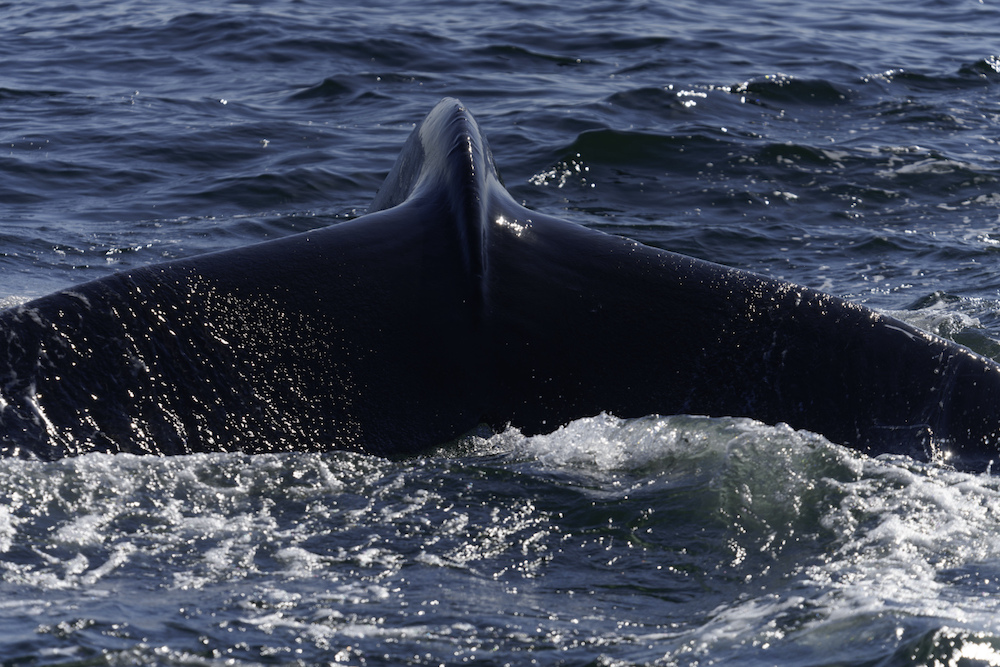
x: 604, y: 442
x: 881, y: 537
x: 11, y: 301
x: 910, y: 539
x: 299, y: 561
x: 82, y: 531
x: 8, y: 528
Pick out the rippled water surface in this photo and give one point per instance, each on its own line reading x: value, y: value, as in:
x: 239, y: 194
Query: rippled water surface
x: 849, y: 147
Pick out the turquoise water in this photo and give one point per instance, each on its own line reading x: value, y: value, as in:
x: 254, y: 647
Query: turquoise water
x: 842, y: 146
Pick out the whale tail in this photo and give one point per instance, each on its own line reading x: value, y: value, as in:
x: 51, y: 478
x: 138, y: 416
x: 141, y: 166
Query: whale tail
x: 448, y: 305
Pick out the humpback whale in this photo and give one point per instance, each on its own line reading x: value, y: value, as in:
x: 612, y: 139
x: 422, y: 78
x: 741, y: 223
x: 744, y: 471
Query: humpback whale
x: 448, y: 305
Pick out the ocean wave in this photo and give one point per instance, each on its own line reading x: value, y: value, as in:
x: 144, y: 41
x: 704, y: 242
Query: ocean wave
x: 784, y: 90
x: 652, y: 516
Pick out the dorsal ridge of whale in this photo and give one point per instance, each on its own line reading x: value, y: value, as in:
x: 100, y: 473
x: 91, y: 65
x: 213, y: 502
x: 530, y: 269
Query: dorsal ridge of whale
x: 446, y: 172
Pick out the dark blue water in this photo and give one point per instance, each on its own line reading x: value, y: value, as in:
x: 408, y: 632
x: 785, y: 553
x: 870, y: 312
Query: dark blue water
x: 846, y: 146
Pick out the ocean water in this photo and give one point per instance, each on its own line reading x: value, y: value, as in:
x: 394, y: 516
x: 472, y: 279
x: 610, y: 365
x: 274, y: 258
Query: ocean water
x: 849, y: 147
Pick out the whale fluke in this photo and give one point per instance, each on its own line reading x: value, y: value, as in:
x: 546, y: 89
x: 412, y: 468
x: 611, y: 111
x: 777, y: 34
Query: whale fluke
x: 449, y: 305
